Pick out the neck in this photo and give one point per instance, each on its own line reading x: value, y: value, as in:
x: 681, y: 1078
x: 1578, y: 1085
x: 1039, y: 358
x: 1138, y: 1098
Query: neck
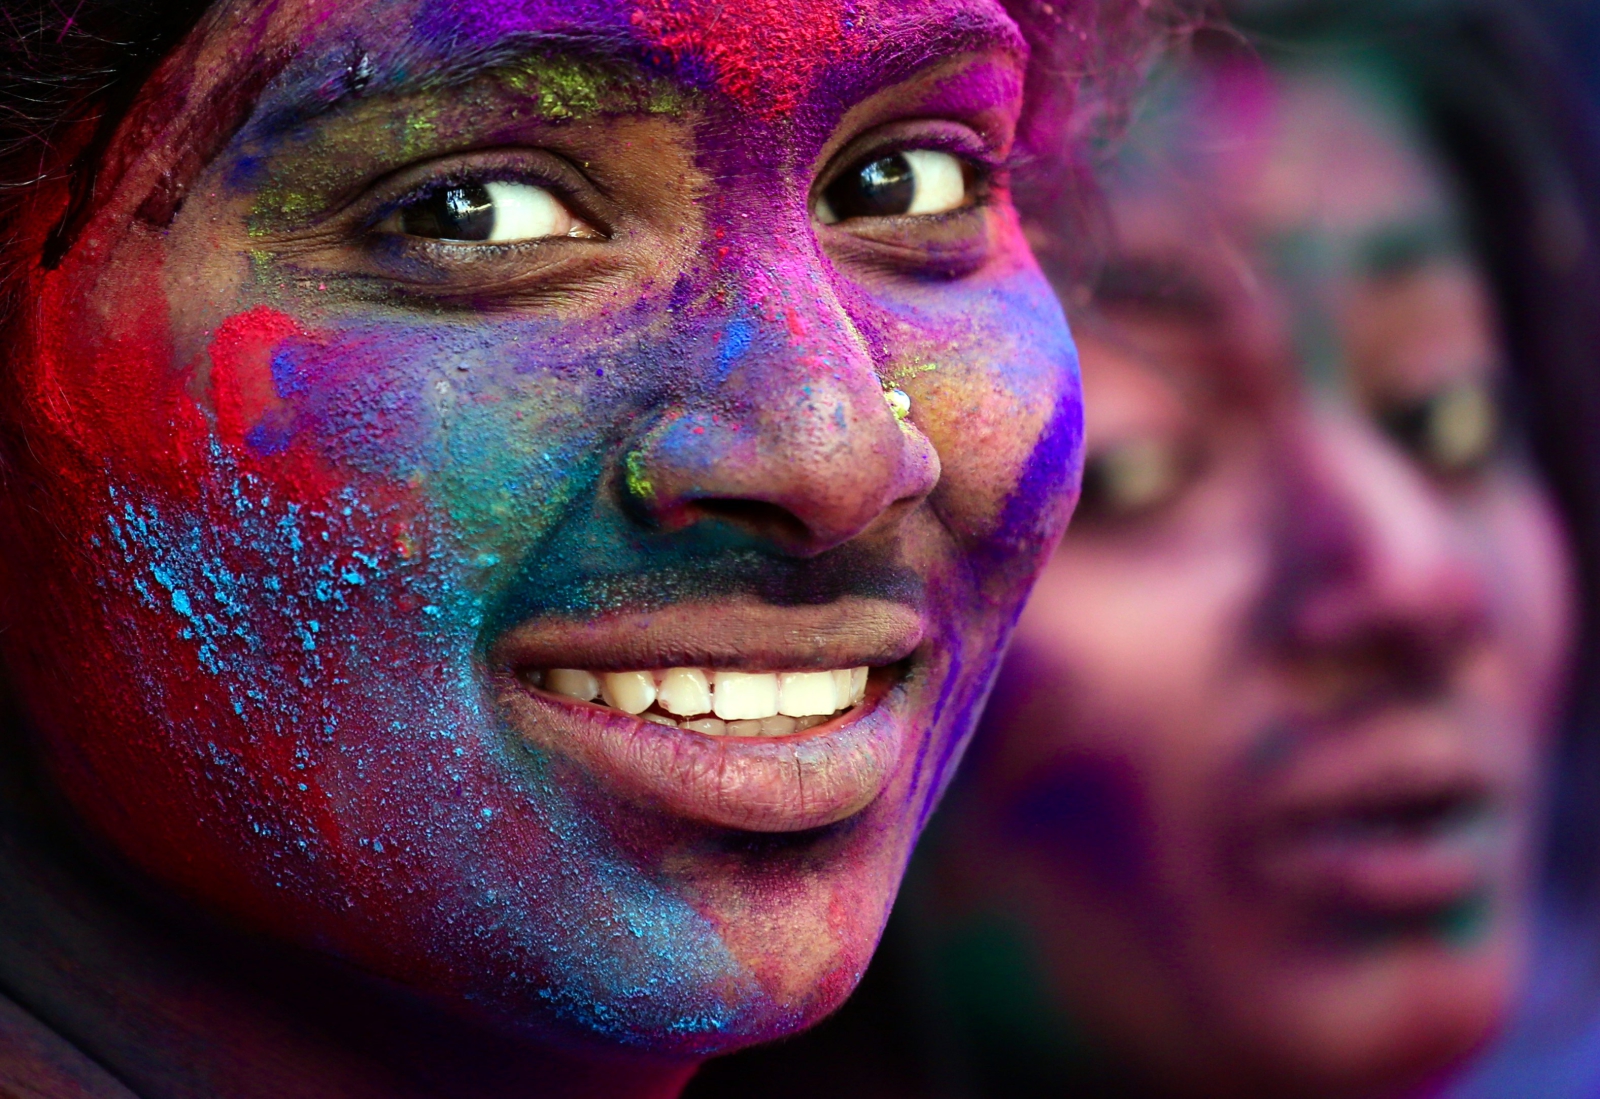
x: 174, y: 1010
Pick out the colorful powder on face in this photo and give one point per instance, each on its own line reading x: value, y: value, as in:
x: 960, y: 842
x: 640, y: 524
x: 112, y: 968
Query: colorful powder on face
x: 563, y: 89
x: 537, y: 90
x: 765, y: 55
x: 368, y: 491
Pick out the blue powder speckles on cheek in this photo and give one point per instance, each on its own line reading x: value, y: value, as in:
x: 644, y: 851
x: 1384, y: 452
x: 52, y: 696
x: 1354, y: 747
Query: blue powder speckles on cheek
x: 327, y: 662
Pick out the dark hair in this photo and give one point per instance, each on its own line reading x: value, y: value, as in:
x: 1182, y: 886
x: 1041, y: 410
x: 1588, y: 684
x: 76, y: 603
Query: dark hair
x: 65, y: 62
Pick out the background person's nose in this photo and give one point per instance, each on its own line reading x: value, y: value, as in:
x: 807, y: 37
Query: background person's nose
x: 787, y: 434
x: 1370, y: 556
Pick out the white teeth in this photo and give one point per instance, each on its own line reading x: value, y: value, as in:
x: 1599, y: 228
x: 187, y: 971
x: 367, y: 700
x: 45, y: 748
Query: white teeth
x: 738, y: 696
x: 766, y: 727
x: 685, y: 692
x: 630, y: 692
x: 746, y: 704
x: 574, y: 684
x: 809, y: 694
x: 841, y: 687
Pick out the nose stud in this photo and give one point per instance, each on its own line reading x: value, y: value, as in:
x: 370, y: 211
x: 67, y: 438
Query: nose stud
x: 899, y: 402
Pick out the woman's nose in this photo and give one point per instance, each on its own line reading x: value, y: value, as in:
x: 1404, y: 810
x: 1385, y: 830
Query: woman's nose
x: 1371, y: 548
x: 788, y: 434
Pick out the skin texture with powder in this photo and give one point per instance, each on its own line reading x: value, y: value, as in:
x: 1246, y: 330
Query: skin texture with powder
x: 310, y: 496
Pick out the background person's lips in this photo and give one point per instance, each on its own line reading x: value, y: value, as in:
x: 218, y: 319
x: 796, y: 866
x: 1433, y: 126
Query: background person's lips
x: 1405, y: 850
x: 787, y: 784
x: 1396, y: 817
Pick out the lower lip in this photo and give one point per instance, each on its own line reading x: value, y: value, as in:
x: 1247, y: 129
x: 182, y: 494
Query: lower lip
x: 779, y: 784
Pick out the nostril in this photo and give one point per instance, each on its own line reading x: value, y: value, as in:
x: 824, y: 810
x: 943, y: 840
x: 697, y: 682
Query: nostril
x: 768, y: 521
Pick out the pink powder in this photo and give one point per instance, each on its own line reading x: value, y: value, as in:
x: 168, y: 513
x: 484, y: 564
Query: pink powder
x: 766, y: 54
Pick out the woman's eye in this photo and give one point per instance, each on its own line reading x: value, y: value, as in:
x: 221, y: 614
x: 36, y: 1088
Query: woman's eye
x: 1130, y: 477
x: 1454, y: 431
x: 487, y: 213
x: 914, y: 182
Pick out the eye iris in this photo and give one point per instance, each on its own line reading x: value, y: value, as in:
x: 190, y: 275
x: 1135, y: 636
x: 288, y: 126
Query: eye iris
x: 1453, y: 431
x: 1463, y: 427
x: 1130, y: 477
x: 458, y: 212
x: 881, y: 188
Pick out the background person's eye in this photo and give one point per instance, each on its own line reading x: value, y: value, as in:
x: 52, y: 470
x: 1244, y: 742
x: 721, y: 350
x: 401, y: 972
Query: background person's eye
x: 1130, y: 477
x: 910, y: 183
x: 486, y: 213
x: 1453, y: 431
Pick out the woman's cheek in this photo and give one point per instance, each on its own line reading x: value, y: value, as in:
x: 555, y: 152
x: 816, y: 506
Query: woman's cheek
x: 478, y: 429
x: 1004, y: 410
x: 275, y: 621
x: 1528, y: 565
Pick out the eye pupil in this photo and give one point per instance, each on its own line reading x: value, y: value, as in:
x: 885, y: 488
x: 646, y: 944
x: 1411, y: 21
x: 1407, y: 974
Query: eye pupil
x: 457, y: 212
x: 885, y: 187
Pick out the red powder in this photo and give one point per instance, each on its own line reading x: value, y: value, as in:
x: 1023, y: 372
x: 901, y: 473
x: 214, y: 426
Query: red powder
x: 253, y: 419
x: 241, y: 371
x: 766, y: 54
x: 83, y: 381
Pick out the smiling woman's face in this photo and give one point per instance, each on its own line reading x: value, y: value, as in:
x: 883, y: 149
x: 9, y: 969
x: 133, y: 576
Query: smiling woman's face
x: 419, y: 360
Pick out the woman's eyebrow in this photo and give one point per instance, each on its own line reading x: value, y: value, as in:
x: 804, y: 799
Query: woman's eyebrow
x: 1400, y: 247
x: 359, y: 74
x: 924, y: 44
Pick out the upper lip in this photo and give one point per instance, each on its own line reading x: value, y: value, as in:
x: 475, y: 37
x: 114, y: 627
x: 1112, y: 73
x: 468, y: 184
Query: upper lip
x: 1327, y: 793
x: 848, y: 632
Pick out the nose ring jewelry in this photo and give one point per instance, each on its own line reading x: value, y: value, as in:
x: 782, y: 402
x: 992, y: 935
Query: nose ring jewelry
x: 899, y: 402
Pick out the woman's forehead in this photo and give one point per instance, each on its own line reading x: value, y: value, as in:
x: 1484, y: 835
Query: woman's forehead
x: 769, y: 57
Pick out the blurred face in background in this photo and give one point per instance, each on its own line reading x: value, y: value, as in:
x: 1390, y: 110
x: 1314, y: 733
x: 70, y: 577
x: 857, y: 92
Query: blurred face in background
x: 1259, y: 782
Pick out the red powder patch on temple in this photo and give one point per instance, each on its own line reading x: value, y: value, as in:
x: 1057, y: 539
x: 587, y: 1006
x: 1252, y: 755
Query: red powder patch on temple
x: 87, y: 380
x: 766, y: 54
